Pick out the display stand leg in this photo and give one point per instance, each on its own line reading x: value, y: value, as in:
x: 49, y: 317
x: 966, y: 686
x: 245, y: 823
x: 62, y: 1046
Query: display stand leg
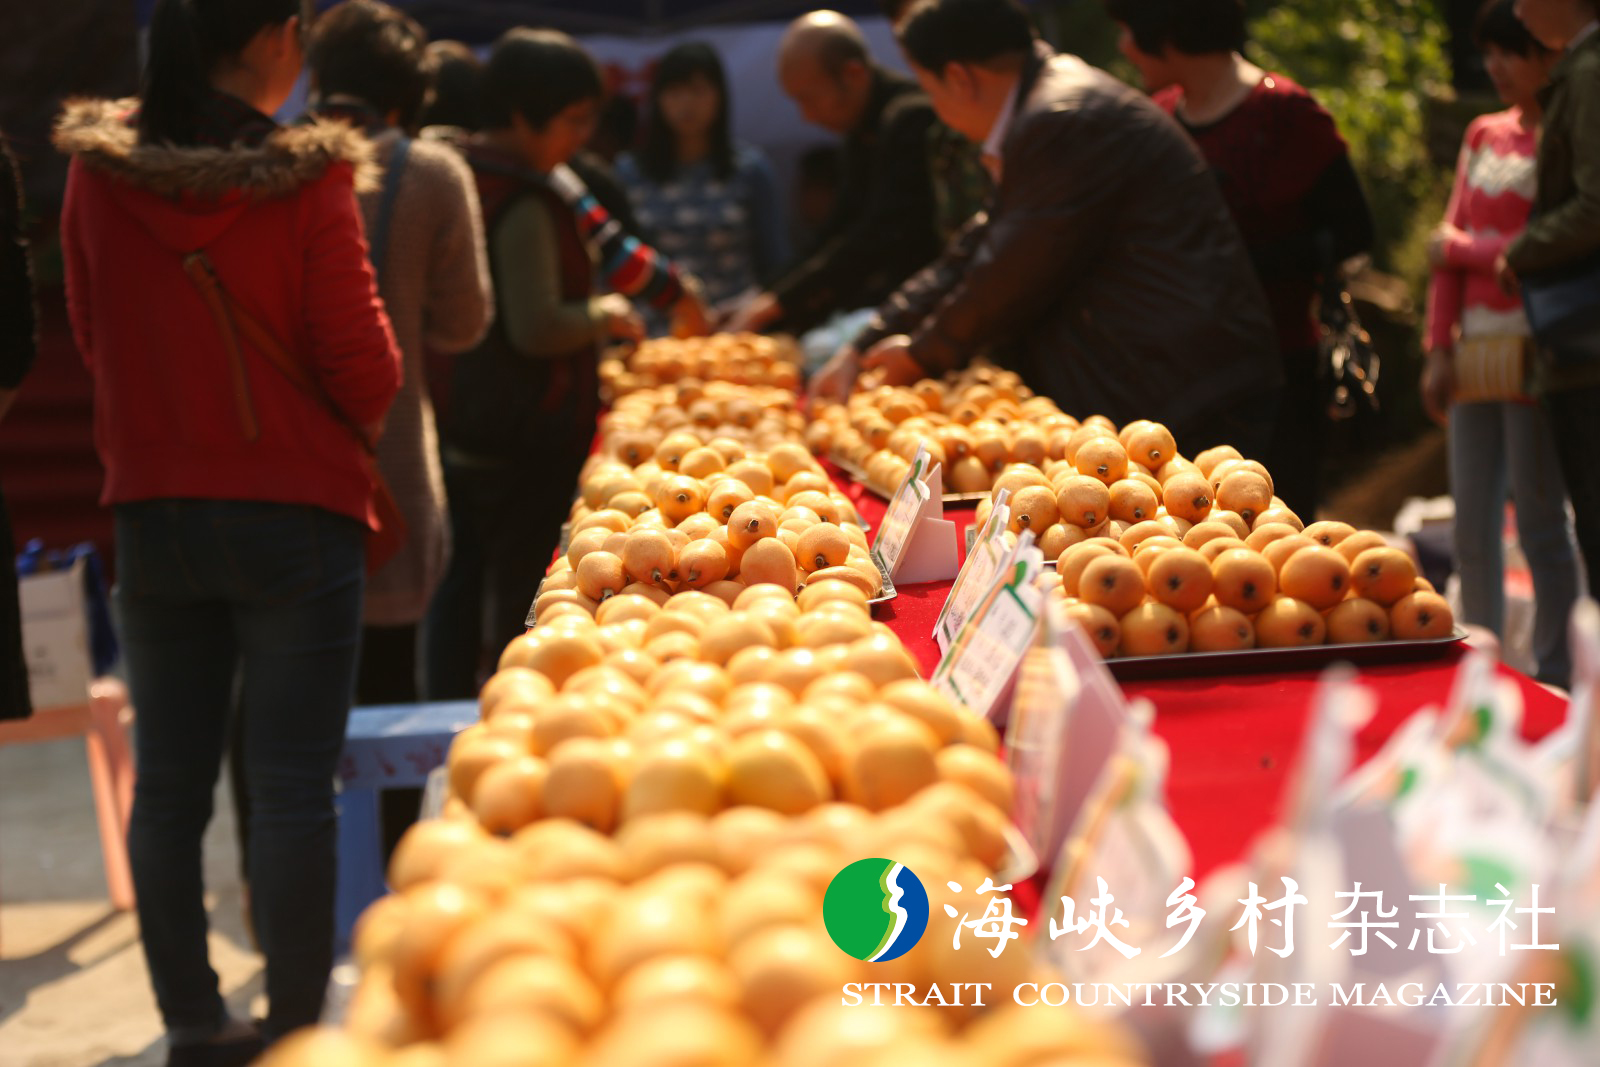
x: 360, y: 861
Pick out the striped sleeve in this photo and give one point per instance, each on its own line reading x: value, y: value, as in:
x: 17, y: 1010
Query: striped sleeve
x: 629, y: 266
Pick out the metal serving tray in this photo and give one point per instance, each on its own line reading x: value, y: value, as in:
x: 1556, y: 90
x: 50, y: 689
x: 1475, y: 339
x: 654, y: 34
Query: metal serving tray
x: 1255, y: 660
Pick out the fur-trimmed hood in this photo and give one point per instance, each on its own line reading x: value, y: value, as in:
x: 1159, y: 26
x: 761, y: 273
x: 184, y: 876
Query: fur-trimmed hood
x: 99, y: 133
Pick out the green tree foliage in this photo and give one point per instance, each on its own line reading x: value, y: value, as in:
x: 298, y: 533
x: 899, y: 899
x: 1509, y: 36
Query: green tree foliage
x: 1372, y: 64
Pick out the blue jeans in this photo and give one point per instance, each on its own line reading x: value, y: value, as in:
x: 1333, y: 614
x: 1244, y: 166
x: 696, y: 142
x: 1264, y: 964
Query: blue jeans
x: 254, y: 605
x: 1496, y: 447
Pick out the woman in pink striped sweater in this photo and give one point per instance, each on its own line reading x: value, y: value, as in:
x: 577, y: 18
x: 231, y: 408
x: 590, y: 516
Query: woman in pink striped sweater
x: 1498, y: 445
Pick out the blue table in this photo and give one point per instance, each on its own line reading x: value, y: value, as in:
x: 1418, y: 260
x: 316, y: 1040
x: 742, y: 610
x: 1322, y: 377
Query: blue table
x: 393, y: 746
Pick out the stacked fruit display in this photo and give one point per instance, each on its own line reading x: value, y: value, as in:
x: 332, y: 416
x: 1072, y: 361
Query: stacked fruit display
x: 772, y: 702
x: 631, y: 866
x: 724, y: 416
x: 709, y: 516
x: 974, y: 423
x: 697, y: 960
x: 739, y: 359
x: 1202, y: 557
x: 691, y: 966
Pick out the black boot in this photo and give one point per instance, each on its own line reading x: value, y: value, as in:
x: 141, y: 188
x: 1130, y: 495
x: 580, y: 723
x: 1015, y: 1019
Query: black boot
x: 235, y: 1047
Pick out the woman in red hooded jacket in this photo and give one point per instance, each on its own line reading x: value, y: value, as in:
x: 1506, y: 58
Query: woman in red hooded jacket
x: 242, y: 497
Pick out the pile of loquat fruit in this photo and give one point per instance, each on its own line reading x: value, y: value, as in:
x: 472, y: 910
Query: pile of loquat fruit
x: 632, y: 861
x: 1201, y: 556
x: 974, y: 424
x: 743, y: 359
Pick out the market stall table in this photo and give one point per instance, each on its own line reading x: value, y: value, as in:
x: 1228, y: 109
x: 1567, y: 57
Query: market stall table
x: 1234, y: 737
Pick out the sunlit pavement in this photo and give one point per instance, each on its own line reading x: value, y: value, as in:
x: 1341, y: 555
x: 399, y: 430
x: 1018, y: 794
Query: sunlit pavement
x: 73, y: 987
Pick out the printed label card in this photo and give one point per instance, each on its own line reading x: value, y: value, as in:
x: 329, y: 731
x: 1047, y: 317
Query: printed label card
x: 981, y: 665
x: 1340, y: 707
x: 1126, y: 862
x: 915, y: 542
x: 989, y: 554
x: 1585, y: 707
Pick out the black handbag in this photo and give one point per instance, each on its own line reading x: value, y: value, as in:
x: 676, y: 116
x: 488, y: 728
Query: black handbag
x: 1564, y: 313
x: 1349, y: 363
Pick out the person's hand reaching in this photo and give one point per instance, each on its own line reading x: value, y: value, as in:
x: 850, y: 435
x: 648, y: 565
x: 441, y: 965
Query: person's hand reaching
x: 1506, y: 277
x: 1439, y: 242
x: 889, y: 362
x: 690, y: 318
x: 1439, y: 384
x: 622, y: 323
x: 833, y: 380
x: 755, y: 315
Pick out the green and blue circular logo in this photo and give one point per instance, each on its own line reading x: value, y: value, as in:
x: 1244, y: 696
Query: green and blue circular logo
x: 875, y: 910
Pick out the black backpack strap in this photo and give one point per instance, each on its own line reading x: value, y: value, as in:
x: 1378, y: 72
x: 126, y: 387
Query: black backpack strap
x: 379, y: 238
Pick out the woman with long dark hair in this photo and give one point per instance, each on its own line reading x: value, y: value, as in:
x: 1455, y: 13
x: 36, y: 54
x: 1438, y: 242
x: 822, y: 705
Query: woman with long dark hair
x: 220, y: 294
x: 709, y: 202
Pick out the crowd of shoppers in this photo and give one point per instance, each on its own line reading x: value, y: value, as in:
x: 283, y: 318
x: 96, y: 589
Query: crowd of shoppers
x: 346, y: 369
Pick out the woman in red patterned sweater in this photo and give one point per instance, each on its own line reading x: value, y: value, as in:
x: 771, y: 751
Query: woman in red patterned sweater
x: 1286, y: 175
x: 1499, y: 438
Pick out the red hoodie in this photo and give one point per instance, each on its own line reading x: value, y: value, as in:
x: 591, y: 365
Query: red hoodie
x: 281, y: 225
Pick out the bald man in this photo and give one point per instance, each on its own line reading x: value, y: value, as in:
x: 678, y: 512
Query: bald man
x: 884, y: 229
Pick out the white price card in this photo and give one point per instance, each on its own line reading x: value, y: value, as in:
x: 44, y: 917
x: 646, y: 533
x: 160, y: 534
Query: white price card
x: 982, y: 662
x: 900, y: 519
x: 1047, y: 686
x: 1585, y: 707
x: 1070, y: 726
x: 916, y: 543
x: 989, y: 555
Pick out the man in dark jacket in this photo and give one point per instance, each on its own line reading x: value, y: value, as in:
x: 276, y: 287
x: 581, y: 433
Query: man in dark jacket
x: 1562, y: 242
x: 884, y: 228
x: 1107, y: 270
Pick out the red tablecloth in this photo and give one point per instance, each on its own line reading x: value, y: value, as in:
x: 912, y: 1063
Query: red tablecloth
x: 1232, y: 737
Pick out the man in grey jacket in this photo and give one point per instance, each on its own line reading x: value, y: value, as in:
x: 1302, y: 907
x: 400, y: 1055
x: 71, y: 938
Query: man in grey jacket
x: 1107, y: 270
